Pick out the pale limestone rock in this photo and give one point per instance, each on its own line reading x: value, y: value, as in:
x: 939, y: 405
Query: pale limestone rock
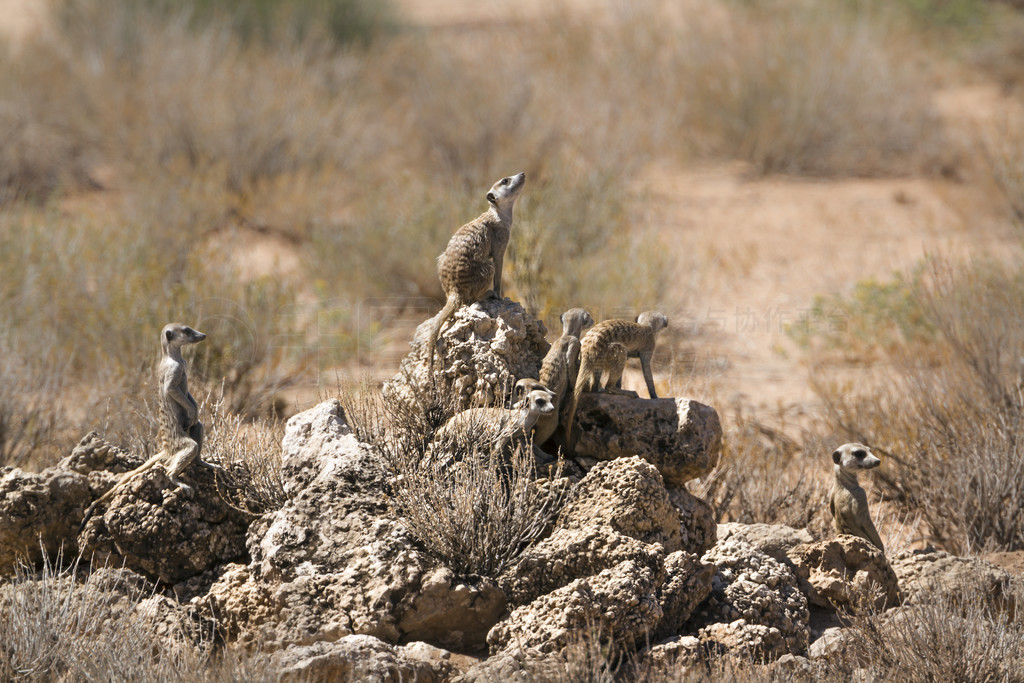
x: 482, y: 351
x: 620, y: 603
x: 334, y: 561
x: 362, y: 658
x: 679, y: 436
x: 755, y: 603
x: 774, y: 540
x: 696, y: 520
x: 926, y: 571
x: 844, y: 572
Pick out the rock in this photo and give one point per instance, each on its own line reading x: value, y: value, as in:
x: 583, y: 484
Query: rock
x: 679, y: 436
x: 362, y: 658
x: 687, y: 584
x: 569, y: 554
x: 774, y: 540
x: 673, y: 659
x: 696, y: 521
x: 40, y: 514
x: 927, y: 571
x: 751, y: 590
x: 831, y: 641
x: 845, y: 572
x: 483, y: 349
x: 157, y: 529
x: 334, y: 561
x: 629, y: 496
x: 745, y: 640
x: 791, y: 666
x: 619, y: 605
x: 519, y: 665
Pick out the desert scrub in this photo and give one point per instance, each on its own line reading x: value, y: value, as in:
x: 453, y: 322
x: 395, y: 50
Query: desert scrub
x: 950, y: 411
x: 472, y: 507
x: 873, y: 319
x: 767, y: 476
x: 960, y: 633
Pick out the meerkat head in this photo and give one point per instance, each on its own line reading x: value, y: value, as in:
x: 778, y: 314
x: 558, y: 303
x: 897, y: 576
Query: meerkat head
x: 176, y: 335
x: 855, y: 456
x: 576, y: 317
x: 653, y: 319
x: 540, y: 401
x: 505, y: 192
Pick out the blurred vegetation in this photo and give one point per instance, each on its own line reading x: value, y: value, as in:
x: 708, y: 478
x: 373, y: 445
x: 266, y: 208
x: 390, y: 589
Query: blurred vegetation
x: 149, y: 144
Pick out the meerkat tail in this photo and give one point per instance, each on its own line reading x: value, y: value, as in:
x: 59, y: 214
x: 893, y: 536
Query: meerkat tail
x: 582, y: 384
x: 120, y: 484
x: 447, y: 312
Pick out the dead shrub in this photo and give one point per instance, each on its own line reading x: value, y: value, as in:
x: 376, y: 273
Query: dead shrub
x: 949, y: 417
x: 766, y: 476
x: 956, y: 634
x: 473, y: 507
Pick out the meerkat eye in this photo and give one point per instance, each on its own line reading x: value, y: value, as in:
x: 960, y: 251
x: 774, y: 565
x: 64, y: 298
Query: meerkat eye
x: 504, y: 181
x: 859, y: 454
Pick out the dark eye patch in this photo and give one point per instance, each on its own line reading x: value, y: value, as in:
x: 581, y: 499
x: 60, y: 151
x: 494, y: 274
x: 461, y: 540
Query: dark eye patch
x: 860, y: 455
x: 504, y: 181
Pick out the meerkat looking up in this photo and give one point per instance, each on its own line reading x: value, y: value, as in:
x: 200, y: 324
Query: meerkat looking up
x: 180, y: 435
x: 606, y: 347
x: 848, y: 502
x: 470, y: 266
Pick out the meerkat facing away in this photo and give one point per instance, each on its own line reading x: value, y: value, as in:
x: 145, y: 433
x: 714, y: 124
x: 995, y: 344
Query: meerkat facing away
x: 498, y: 427
x: 848, y: 502
x: 180, y: 435
x: 470, y: 266
x: 559, y: 368
x: 606, y: 347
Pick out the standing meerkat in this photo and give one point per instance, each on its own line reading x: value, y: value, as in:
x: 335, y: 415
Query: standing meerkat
x: 606, y: 347
x: 848, y: 502
x: 470, y: 267
x: 559, y: 369
x: 180, y: 435
x: 499, y: 426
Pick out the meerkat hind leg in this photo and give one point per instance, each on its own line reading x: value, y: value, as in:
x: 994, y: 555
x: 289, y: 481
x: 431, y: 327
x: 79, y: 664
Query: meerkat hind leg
x: 179, y: 462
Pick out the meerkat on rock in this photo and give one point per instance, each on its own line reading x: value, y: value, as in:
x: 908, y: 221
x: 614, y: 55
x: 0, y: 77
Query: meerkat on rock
x: 499, y: 427
x: 470, y: 267
x: 606, y: 347
x: 848, y: 502
x: 558, y: 371
x: 180, y: 435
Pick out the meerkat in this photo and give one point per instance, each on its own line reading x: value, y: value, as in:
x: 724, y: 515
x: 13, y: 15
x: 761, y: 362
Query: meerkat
x: 499, y: 426
x: 180, y: 435
x: 606, y: 347
x: 848, y: 502
x: 558, y: 371
x: 470, y: 266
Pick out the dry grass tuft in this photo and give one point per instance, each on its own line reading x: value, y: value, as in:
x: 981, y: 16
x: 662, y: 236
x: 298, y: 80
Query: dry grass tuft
x: 473, y: 507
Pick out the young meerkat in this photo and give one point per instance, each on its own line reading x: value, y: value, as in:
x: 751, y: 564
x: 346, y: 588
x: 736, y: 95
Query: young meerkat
x: 606, y: 347
x: 848, y: 502
x: 558, y: 370
x: 498, y: 427
x: 180, y: 435
x: 470, y: 267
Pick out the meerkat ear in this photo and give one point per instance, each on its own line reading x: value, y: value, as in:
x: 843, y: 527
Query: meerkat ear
x: 169, y: 335
x: 491, y: 198
x: 836, y: 457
